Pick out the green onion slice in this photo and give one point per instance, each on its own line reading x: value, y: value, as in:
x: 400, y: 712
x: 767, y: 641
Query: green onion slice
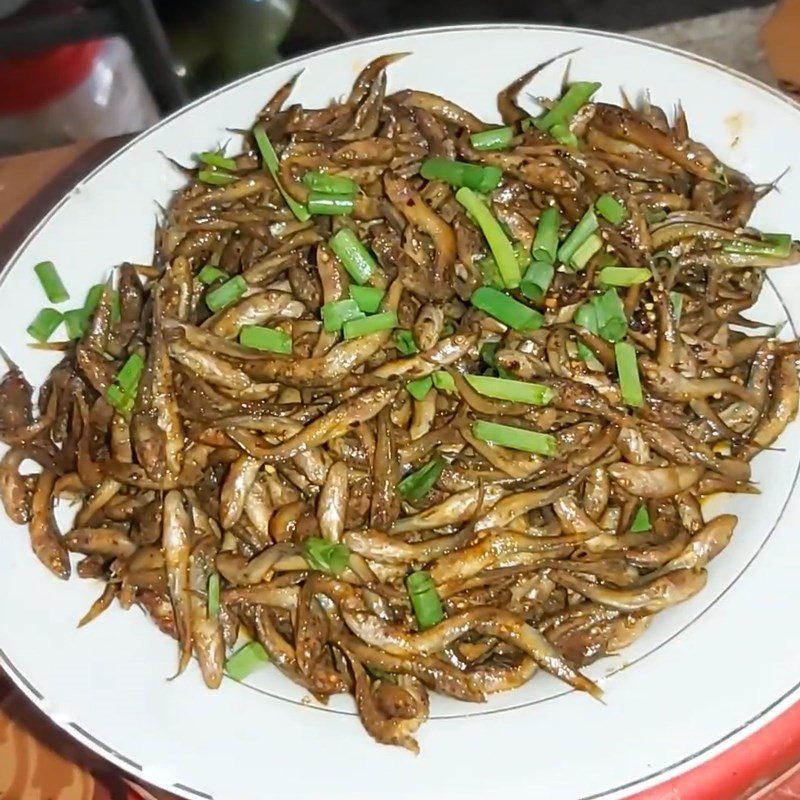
x: 44, y: 324
x: 493, y: 139
x: 215, y: 178
x: 331, y: 204
x: 271, y: 340
x: 444, y: 382
x: 425, y: 599
x: 213, y: 595
x: 775, y: 245
x: 329, y: 184
x: 225, y: 295
x: 270, y: 158
x: 578, y: 235
x: 211, y: 274
x: 337, y: 312
x: 611, y: 209
x: 612, y: 324
x: 404, y: 342
x: 506, y: 309
x: 419, y: 482
x: 51, y: 282
x: 459, y: 173
x: 537, y: 280
x: 501, y: 248
x: 368, y: 298
x: 580, y: 258
x: 641, y: 520
x: 121, y: 400
x: 130, y: 373
x: 326, y: 556
x: 420, y: 387
x: 545, y: 243
x: 354, y: 256
x: 624, y: 276
x: 245, y: 661
x: 676, y: 299
x: 375, y: 323
x: 75, y: 322
x: 542, y: 444
x: 217, y: 160
x: 628, y: 372
x: 565, y: 109
x: 514, y: 391
x: 93, y: 298
x: 563, y: 135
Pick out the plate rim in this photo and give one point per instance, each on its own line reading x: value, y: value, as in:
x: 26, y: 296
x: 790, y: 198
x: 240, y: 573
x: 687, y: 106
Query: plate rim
x: 645, y: 783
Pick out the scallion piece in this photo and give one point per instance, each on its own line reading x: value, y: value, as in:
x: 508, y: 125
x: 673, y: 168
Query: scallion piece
x: 775, y: 245
x: 612, y: 324
x: 489, y: 272
x: 459, y: 173
x: 329, y: 184
x: 534, y: 394
x: 92, y: 299
x: 245, y: 661
x: 586, y: 317
x: 75, y: 322
x: 331, y: 204
x: 488, y: 353
x: 624, y: 276
x: 506, y: 309
x: 502, y: 250
x: 565, y: 109
x: 215, y: 178
x: 611, y: 209
x: 578, y: 235
x: 51, y: 282
x: 628, y: 371
x: 654, y: 216
x: 641, y: 520
x: 225, y: 295
x: 353, y: 255
x: 443, y: 381
x: 368, y: 298
x: 375, y: 323
x: 271, y: 340
x: 326, y: 556
x: 563, y: 135
x: 404, y: 342
x: 676, y: 299
x: 425, y: 599
x: 580, y: 258
x: 420, y: 387
x: 270, y: 158
x: 217, y: 160
x: 44, y: 324
x: 542, y: 444
x: 337, y: 312
x: 120, y: 400
x: 545, y: 243
x: 213, y: 595
x: 493, y: 139
x: 537, y: 280
x: 419, y: 482
x: 211, y: 274
x: 128, y: 377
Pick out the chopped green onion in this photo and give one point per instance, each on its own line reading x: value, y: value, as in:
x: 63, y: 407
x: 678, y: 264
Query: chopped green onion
x: 419, y: 482
x: 214, y: 178
x: 211, y: 274
x: 459, y: 173
x: 535, y: 394
x: 506, y: 309
x: 537, y: 280
x: 443, y: 381
x: 488, y: 353
x: 652, y: 217
x: 128, y: 377
x: 425, y: 599
x: 586, y: 317
x: 493, y: 139
x: 641, y: 520
x: 578, y: 235
x: 545, y: 243
x: 245, y: 661
x: 490, y: 273
x: 565, y: 109
x: 420, y: 387
x: 372, y: 324
x: 270, y: 339
x: 624, y: 276
x: 542, y: 444
x: 368, y: 298
x: 213, y: 595
x: 337, y: 312
x: 404, y: 342
x: 51, y: 282
x: 225, y: 295
x: 612, y: 324
x: 326, y: 556
x: 676, y: 299
x: 329, y: 184
x: 611, y: 209
x: 775, y: 245
x: 501, y: 248
x: 580, y: 258
x: 75, y: 321
x: 330, y: 204
x: 353, y: 255
x: 92, y: 299
x: 628, y: 371
x: 563, y: 135
x: 217, y: 160
x: 121, y: 400
x: 270, y: 158
x: 45, y: 323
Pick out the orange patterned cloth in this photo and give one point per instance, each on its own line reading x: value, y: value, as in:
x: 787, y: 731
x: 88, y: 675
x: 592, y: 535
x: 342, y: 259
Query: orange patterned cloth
x: 40, y: 762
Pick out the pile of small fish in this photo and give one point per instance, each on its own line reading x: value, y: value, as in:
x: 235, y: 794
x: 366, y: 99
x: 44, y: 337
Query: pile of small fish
x: 393, y: 460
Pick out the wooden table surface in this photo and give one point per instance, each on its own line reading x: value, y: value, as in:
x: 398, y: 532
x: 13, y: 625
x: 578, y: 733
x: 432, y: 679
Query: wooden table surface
x: 39, y: 762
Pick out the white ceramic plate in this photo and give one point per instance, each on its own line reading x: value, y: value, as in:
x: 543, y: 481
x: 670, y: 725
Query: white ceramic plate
x: 705, y: 675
